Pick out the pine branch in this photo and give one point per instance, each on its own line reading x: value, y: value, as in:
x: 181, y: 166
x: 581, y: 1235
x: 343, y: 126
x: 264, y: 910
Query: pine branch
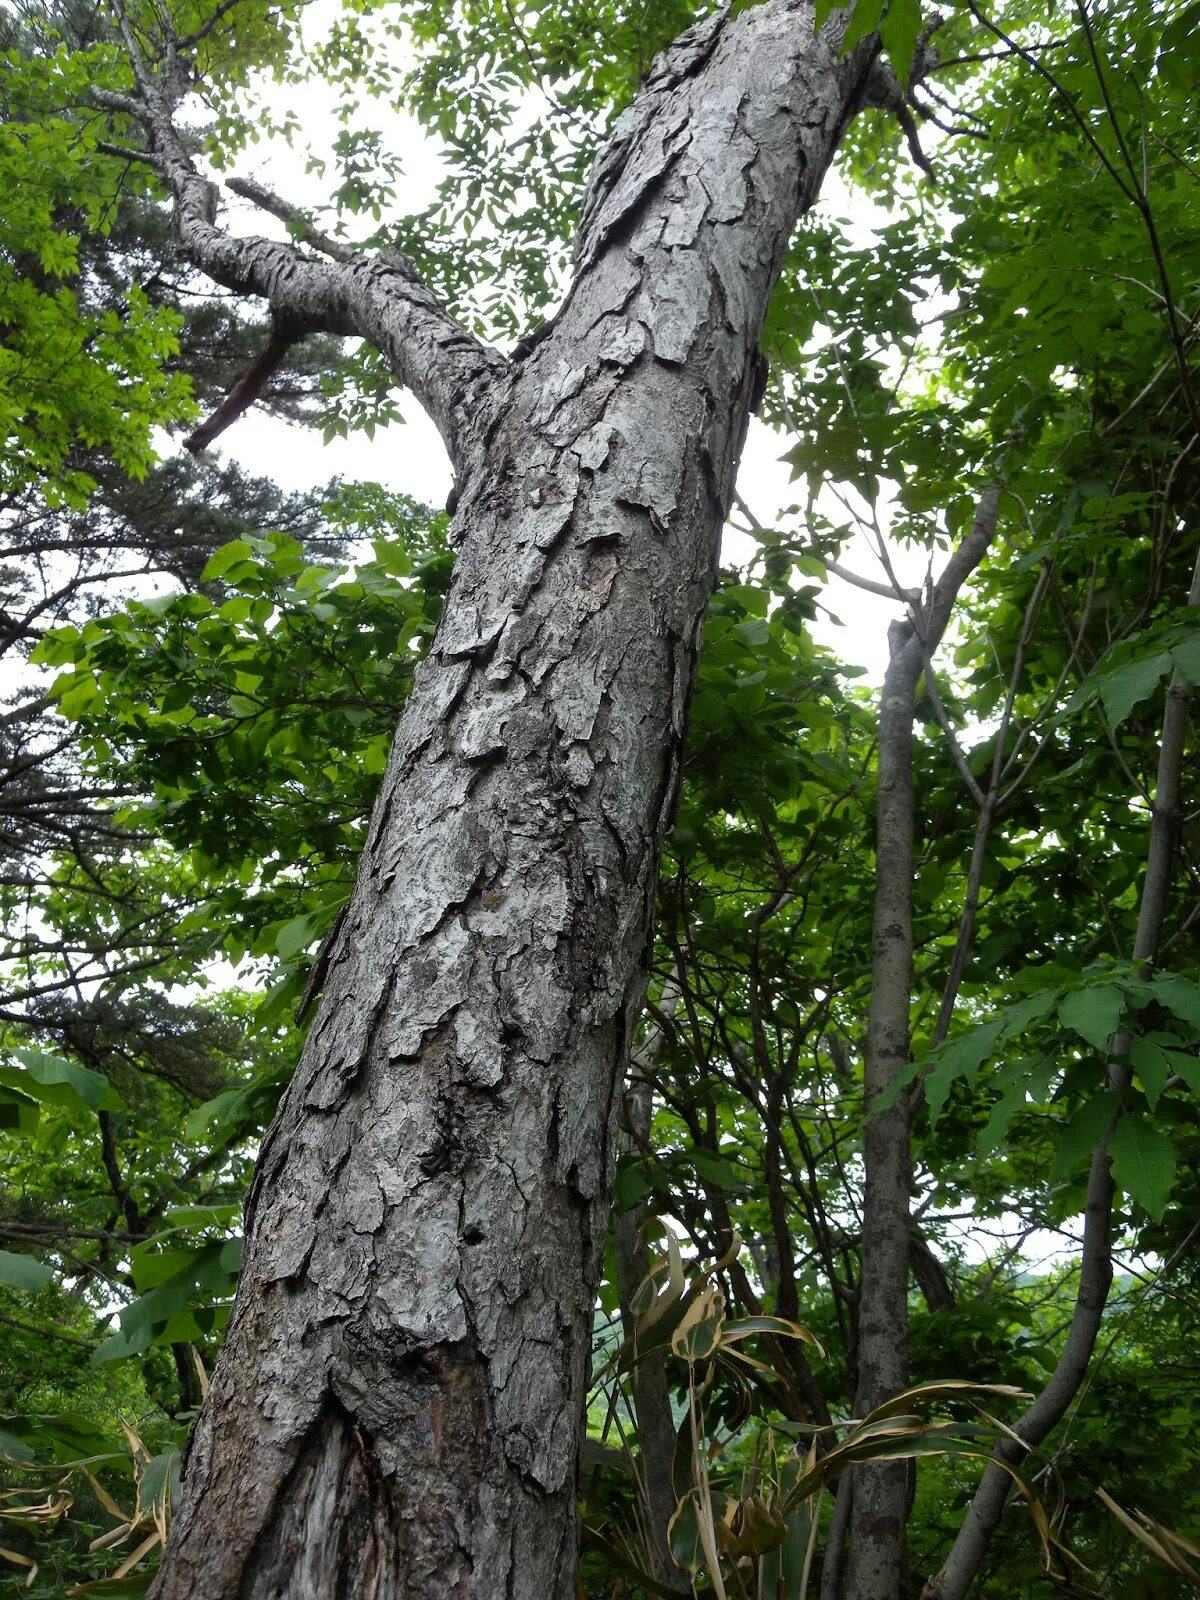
x: 245, y: 392
x: 377, y: 296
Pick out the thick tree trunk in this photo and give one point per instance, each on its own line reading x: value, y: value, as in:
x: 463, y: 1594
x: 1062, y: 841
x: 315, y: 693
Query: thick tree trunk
x: 398, y: 1406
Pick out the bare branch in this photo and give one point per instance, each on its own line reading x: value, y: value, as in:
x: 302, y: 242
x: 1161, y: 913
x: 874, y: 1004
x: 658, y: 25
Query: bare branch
x: 889, y: 591
x: 244, y: 393
x: 956, y: 750
x: 124, y: 152
x: 302, y: 229
x: 378, y: 297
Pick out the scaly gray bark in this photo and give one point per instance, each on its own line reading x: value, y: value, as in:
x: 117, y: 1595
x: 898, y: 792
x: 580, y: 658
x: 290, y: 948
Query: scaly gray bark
x: 398, y: 1406
x: 875, y: 1562
x: 1095, y: 1263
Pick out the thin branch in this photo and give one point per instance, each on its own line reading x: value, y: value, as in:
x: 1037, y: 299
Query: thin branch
x: 299, y: 224
x: 994, y: 55
x: 889, y: 591
x: 47, y: 1331
x: 1095, y: 1268
x: 956, y: 750
x: 190, y: 40
x: 1077, y: 116
x: 124, y: 152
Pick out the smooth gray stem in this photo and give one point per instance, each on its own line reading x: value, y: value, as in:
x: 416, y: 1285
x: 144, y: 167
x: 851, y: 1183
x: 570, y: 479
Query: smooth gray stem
x: 651, y: 1391
x: 1095, y: 1280
x: 835, y: 1544
x: 879, y: 1510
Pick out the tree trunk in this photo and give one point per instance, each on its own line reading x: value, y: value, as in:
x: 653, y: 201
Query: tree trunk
x: 876, y: 1563
x: 398, y: 1407
x: 959, y: 1570
x: 879, y: 1500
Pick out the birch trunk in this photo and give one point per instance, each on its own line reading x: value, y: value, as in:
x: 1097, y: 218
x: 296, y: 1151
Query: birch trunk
x: 398, y: 1407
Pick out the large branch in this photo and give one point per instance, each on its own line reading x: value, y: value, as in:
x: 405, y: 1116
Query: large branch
x: 379, y: 297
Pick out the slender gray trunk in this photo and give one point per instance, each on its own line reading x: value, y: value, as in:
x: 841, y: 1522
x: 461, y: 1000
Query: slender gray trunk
x: 398, y: 1407
x: 875, y: 1564
x: 877, y: 1510
x: 1095, y: 1272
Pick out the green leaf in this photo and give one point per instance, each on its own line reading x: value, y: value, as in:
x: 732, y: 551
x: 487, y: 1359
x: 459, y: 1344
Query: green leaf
x: 294, y: 937
x: 1187, y: 1067
x: 160, y: 1480
x: 1180, y: 996
x: 1143, y: 1163
x: 1019, y: 1017
x: 14, y: 1449
x: 1026, y: 1079
x: 1125, y: 688
x: 23, y: 1272
x: 899, y: 30
x: 224, y: 558
x: 1153, y: 1067
x: 18, y: 1113
x: 132, y: 1587
x: 1081, y: 1134
x: 1094, y: 1013
x: 683, y: 1531
x: 716, y: 1170
x: 960, y: 1058
x: 864, y: 20
x: 631, y: 1186
x: 56, y: 1082
x: 1186, y: 657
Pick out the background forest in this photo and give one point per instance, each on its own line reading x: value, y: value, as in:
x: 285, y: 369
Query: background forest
x: 202, y: 674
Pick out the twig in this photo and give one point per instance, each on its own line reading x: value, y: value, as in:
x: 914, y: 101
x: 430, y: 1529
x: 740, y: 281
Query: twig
x: 300, y: 226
